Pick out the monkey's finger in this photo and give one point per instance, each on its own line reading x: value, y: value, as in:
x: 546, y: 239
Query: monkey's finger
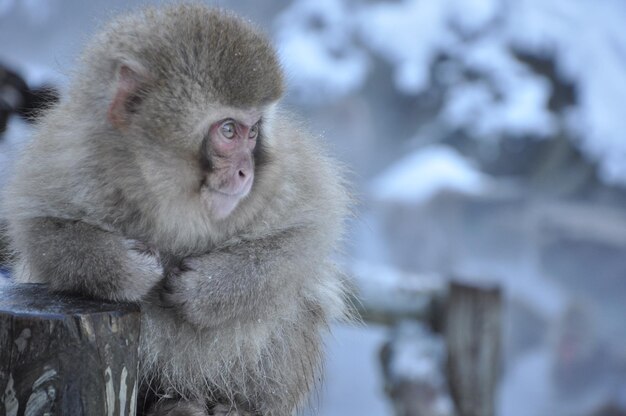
x: 187, y: 264
x: 173, y: 272
x: 143, y: 248
x: 228, y: 410
x: 167, y: 286
x: 166, y: 300
x: 132, y: 244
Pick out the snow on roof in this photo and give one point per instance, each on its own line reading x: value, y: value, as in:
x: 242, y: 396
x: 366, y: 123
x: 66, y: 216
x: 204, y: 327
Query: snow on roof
x: 423, y: 174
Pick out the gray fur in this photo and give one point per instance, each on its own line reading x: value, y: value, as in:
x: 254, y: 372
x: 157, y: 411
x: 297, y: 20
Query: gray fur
x: 233, y: 310
x: 178, y: 408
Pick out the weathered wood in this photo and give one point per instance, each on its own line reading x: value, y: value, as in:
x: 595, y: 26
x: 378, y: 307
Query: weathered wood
x: 473, y: 336
x: 61, y: 355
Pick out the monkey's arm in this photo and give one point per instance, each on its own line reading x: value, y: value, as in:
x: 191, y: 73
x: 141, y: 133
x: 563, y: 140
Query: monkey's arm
x: 241, y: 282
x: 77, y: 257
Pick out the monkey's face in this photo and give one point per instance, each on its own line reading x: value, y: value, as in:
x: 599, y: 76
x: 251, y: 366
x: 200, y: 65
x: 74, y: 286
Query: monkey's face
x: 190, y: 148
x: 227, y: 161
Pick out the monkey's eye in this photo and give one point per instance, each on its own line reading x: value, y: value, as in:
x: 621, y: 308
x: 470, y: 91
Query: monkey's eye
x: 228, y: 129
x: 254, y: 132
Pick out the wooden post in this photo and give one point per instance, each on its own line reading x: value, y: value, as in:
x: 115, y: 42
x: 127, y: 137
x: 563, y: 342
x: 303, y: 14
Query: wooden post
x: 473, y: 337
x: 61, y: 355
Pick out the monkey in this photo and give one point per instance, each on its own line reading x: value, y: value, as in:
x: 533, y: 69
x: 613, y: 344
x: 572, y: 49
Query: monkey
x: 169, y: 175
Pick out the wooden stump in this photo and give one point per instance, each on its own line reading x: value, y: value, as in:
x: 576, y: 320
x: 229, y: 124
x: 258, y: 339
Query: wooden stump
x: 61, y: 355
x: 473, y: 337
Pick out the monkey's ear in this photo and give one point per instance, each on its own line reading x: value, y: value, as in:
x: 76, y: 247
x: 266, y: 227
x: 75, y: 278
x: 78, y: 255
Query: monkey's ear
x: 128, y: 84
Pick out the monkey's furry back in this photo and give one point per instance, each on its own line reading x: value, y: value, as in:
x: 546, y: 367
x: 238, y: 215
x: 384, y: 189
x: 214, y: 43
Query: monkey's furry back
x: 77, y: 168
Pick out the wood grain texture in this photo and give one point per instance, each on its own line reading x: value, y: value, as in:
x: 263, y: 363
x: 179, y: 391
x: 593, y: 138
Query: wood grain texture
x: 61, y: 355
x: 473, y: 337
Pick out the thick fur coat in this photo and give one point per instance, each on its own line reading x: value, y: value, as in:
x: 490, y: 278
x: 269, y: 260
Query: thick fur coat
x: 233, y: 310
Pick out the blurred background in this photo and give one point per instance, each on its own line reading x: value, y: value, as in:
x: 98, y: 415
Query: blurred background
x: 487, y: 144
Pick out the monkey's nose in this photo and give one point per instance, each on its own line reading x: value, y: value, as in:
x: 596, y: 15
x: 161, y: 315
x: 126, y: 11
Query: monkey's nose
x: 242, y: 179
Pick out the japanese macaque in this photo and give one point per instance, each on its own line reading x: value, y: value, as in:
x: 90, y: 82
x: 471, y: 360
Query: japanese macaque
x: 168, y: 176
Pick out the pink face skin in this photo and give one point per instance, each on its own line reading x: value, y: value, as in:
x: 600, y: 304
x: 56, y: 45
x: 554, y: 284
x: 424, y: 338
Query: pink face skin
x: 231, y: 143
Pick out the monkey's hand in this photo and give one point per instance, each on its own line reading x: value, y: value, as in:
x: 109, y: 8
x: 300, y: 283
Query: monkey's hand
x: 179, y: 289
x: 243, y: 282
x: 228, y: 410
x: 178, y: 408
x: 73, y: 256
x: 146, y: 262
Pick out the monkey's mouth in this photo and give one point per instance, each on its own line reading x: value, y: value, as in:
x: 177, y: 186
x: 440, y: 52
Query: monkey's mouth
x: 226, y: 194
x: 219, y: 203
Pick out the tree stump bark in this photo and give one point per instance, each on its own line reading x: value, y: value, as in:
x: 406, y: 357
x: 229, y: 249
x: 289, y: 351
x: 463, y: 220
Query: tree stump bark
x: 61, y: 355
x: 473, y: 338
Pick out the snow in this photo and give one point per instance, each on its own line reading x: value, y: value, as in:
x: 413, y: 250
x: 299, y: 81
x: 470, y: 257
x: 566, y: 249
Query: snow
x: 417, y: 353
x: 385, y: 288
x: 383, y: 278
x: 425, y: 173
x: 412, y: 34
x: 508, y: 99
x: 514, y: 102
x: 473, y: 16
x: 417, y: 356
x: 319, y: 58
x: 408, y: 34
x: 590, y: 45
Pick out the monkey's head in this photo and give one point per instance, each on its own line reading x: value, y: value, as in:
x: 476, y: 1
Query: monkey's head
x: 189, y: 92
